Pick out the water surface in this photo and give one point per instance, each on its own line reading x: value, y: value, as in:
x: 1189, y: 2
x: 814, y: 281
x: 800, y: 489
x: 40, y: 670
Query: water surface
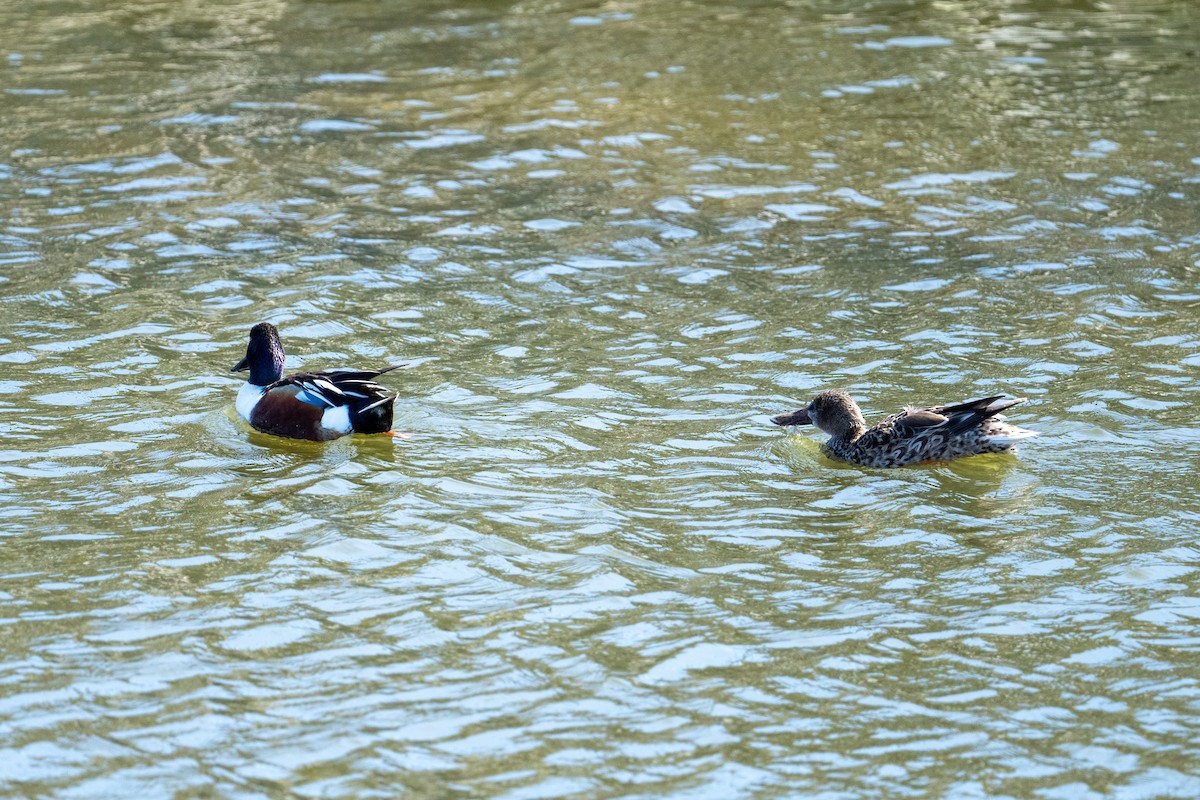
x: 608, y: 241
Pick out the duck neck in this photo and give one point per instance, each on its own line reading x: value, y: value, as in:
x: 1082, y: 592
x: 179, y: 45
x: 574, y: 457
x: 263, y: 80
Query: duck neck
x: 263, y: 373
x: 850, y: 436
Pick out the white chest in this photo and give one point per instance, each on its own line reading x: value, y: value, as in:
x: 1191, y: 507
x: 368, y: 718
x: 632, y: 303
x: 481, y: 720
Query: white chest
x: 248, y: 397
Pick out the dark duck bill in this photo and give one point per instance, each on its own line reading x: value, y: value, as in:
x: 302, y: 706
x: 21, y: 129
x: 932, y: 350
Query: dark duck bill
x: 799, y: 417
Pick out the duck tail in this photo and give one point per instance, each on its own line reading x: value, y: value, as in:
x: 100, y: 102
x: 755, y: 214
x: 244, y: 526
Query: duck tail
x: 1002, y: 403
x: 375, y: 417
x: 1011, y: 435
x: 984, y: 407
x: 985, y: 412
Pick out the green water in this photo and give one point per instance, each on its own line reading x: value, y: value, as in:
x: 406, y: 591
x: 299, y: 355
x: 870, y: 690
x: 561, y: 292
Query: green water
x: 609, y: 241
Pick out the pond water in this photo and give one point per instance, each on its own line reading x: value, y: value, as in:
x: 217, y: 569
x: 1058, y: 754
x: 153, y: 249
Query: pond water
x: 608, y: 241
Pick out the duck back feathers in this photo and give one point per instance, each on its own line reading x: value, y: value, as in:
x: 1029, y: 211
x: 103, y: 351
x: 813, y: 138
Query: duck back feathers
x: 368, y: 406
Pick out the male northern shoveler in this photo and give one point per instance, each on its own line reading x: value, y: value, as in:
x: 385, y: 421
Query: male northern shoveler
x: 309, y: 405
x: 937, y: 433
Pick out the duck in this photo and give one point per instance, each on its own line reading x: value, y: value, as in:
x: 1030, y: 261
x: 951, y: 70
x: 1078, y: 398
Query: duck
x: 318, y: 406
x: 913, y: 436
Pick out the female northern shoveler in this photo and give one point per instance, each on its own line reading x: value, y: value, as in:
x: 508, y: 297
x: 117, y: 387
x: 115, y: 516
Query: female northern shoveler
x: 937, y: 433
x: 309, y: 405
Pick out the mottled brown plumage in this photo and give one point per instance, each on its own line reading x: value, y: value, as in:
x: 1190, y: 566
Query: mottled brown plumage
x: 915, y: 435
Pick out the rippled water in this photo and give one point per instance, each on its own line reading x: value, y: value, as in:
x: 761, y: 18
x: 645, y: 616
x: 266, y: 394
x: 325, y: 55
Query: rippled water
x: 608, y: 240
